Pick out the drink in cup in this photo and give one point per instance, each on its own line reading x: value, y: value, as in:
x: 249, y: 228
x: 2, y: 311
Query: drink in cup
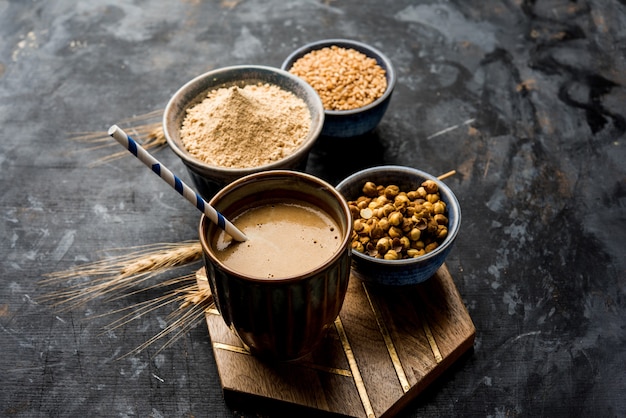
x: 281, y: 289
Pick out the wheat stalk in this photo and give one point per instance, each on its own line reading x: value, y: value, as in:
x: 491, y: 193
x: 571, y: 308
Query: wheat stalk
x: 191, y: 300
x: 120, y: 276
x: 117, y: 276
x: 149, y: 134
x: 194, y: 303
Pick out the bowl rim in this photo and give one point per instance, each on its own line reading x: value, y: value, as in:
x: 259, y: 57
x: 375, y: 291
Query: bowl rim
x: 192, y: 161
x: 315, y: 182
x: 452, y: 233
x: 343, y: 43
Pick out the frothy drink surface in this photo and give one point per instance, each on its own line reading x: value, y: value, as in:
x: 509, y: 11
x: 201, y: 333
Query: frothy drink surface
x: 284, y: 240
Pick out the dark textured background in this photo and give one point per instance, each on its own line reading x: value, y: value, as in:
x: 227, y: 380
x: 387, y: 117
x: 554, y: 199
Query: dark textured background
x: 525, y: 99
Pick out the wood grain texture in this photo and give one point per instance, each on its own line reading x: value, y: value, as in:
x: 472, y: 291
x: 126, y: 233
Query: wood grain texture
x: 387, y: 346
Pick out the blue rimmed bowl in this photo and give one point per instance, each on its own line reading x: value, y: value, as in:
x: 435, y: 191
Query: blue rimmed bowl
x: 359, y: 121
x: 406, y: 271
x: 210, y: 178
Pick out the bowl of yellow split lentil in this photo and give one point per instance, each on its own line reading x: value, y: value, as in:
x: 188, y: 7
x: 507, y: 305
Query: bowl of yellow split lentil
x: 354, y: 80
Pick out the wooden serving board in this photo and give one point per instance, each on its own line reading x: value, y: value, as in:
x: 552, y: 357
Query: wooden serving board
x: 387, y: 346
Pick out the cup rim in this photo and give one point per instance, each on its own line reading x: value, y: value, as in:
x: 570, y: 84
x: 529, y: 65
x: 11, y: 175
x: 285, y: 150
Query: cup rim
x: 454, y: 203
x: 372, y: 52
x: 200, y: 165
x: 265, y: 175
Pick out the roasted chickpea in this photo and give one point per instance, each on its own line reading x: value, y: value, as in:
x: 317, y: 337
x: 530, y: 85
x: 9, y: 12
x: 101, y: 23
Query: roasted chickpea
x: 366, y: 213
x: 383, y: 245
x: 394, y: 232
x: 391, y: 255
x: 378, y: 213
x: 439, y: 207
x: 430, y: 186
x: 431, y: 247
x: 407, y: 225
x: 432, y: 197
x: 369, y: 189
x: 413, y: 253
x: 418, y: 245
x: 415, y: 234
x: 354, y: 210
x: 393, y: 224
x: 382, y: 199
x: 395, y: 218
x: 391, y: 192
x: 358, y: 225
x: 358, y: 246
x: 376, y: 231
x: 388, y: 208
x: 401, y: 201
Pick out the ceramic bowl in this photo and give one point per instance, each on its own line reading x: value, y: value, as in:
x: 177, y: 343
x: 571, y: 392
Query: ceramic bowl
x: 210, y: 178
x: 284, y: 317
x: 406, y: 271
x: 349, y: 123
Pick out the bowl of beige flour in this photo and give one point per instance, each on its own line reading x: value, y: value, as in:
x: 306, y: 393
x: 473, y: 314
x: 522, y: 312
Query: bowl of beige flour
x: 235, y: 121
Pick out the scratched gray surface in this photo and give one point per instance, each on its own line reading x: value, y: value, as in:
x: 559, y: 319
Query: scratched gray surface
x: 526, y: 101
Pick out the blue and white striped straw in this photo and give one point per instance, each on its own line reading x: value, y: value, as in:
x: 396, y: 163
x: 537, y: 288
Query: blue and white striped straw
x: 187, y: 192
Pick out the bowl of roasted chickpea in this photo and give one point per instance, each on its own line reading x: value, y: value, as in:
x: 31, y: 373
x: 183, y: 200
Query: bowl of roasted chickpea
x: 405, y: 222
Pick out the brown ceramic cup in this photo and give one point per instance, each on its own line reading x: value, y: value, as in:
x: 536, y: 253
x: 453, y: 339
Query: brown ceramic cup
x: 282, y: 318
